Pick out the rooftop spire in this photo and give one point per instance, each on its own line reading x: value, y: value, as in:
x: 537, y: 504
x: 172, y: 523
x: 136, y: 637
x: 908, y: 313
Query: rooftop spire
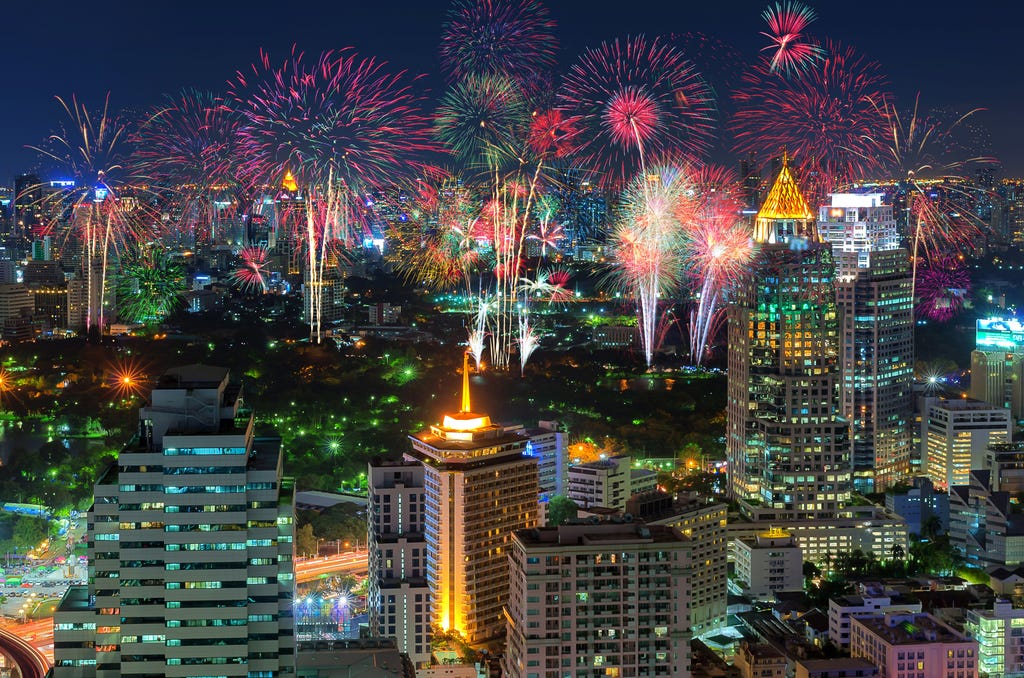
x: 465, y: 382
x: 783, y: 205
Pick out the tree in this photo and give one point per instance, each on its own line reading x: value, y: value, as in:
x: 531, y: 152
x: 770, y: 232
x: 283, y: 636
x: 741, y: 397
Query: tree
x: 305, y: 540
x: 29, y: 530
x: 561, y: 509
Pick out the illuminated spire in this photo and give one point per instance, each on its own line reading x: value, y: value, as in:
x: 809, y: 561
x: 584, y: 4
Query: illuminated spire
x: 784, y: 203
x: 288, y: 183
x: 465, y: 383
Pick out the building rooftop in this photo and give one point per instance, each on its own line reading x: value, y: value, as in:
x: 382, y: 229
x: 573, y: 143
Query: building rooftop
x: 581, y: 533
x: 76, y: 599
x: 193, y: 376
x: 909, y: 629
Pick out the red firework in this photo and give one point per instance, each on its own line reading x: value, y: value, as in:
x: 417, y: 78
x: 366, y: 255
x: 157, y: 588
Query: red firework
x: 790, y: 48
x: 942, y: 288
x: 830, y: 119
x: 251, y: 275
x: 342, y: 116
x: 632, y: 101
x: 550, y: 135
x: 512, y: 39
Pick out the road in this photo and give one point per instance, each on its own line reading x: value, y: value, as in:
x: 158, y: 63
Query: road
x: 345, y: 563
x: 31, y: 662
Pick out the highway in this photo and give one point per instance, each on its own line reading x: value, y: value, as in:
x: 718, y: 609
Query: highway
x: 345, y: 563
x: 31, y: 662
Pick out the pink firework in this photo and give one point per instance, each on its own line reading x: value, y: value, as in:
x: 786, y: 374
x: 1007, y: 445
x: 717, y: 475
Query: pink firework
x: 791, y: 51
x: 634, y: 100
x: 511, y: 39
x: 251, y: 274
x: 942, y: 288
x: 829, y: 119
x: 341, y: 116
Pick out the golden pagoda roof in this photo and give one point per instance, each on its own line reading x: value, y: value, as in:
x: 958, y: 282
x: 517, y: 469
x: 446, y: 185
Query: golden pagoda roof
x: 289, y: 183
x: 784, y: 200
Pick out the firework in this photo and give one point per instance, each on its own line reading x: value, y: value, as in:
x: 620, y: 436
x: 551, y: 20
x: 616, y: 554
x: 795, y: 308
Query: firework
x: 548, y: 234
x: 251, y: 274
x: 829, y: 119
x: 528, y: 341
x: 511, y: 39
x: 150, y: 285
x: 648, y: 245
x: 482, y: 120
x: 791, y: 51
x: 103, y: 208
x: 634, y: 100
x: 127, y: 379
x: 942, y: 288
x: 478, y: 333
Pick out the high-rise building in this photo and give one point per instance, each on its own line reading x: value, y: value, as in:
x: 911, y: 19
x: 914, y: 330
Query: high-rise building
x: 28, y: 202
x: 1000, y: 641
x: 190, y: 546
x: 957, y: 435
x: 768, y: 564
x: 788, y: 446
x: 984, y: 525
x: 876, y: 327
x: 605, y: 599
x: 997, y: 364
x: 480, y: 487
x: 399, y: 596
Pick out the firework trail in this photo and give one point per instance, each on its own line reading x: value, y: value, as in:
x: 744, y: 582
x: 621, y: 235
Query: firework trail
x: 719, y: 250
x: 648, y: 245
x: 511, y: 39
x: 792, y: 52
x: 632, y: 101
x: 339, y: 125
x: 920, y: 150
x: 251, y: 275
x: 478, y: 334
x: 830, y: 119
x: 189, y: 146
x: 150, y: 285
x: 106, y: 215
x: 548, y: 234
x: 942, y: 288
x: 528, y: 341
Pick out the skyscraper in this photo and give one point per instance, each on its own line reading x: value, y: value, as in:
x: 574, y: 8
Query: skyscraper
x: 480, y: 487
x: 876, y: 326
x: 788, y: 448
x: 997, y: 364
x: 190, y: 546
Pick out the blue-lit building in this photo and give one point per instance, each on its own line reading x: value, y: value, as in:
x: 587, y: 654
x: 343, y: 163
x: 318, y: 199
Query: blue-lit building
x: 997, y: 364
x: 919, y: 504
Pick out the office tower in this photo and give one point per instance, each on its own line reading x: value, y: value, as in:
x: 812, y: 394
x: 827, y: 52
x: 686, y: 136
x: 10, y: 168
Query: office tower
x: 997, y: 364
x: 480, y: 486
x: 984, y: 525
x: 768, y: 564
x: 957, y: 435
x: 399, y: 596
x: 190, y: 545
x: 788, y: 448
x: 608, y: 599
x: 876, y: 327
x: 609, y: 482
x: 547, y: 444
x: 1000, y: 641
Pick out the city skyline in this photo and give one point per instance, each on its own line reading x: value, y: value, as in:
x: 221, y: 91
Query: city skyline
x: 156, y: 50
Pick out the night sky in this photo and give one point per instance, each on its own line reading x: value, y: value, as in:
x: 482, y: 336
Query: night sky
x: 959, y: 55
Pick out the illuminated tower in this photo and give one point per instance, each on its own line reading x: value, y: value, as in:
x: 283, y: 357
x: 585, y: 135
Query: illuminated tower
x: 876, y: 321
x: 787, y: 446
x: 481, y: 485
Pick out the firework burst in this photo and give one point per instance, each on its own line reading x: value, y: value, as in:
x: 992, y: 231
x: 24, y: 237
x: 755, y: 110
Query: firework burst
x: 482, y: 120
x: 150, y: 285
x: 511, y: 39
x: 634, y: 100
x: 829, y: 119
x: 251, y: 274
x: 126, y: 379
x: 791, y: 51
x: 942, y: 288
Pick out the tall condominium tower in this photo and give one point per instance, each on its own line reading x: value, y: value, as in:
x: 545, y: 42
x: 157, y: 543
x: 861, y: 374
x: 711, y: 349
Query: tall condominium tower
x: 480, y: 486
x: 997, y: 364
x: 788, y: 447
x: 876, y: 325
x: 399, y: 596
x: 190, y: 546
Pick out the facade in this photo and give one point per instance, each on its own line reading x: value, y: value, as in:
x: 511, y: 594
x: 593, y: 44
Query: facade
x: 190, y: 546
x: 768, y: 564
x: 704, y: 524
x: 997, y: 364
x: 788, y: 446
x: 874, y: 286
x: 480, y: 487
x: 609, y: 482
x: 398, y: 594
x: 760, y: 660
x: 919, y: 505
x: 872, y: 600
x: 957, y: 434
x: 1000, y: 636
x: 983, y: 525
x: 845, y: 667
x: 913, y: 646
x: 547, y: 445
x: 606, y: 599
x: 1006, y: 462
